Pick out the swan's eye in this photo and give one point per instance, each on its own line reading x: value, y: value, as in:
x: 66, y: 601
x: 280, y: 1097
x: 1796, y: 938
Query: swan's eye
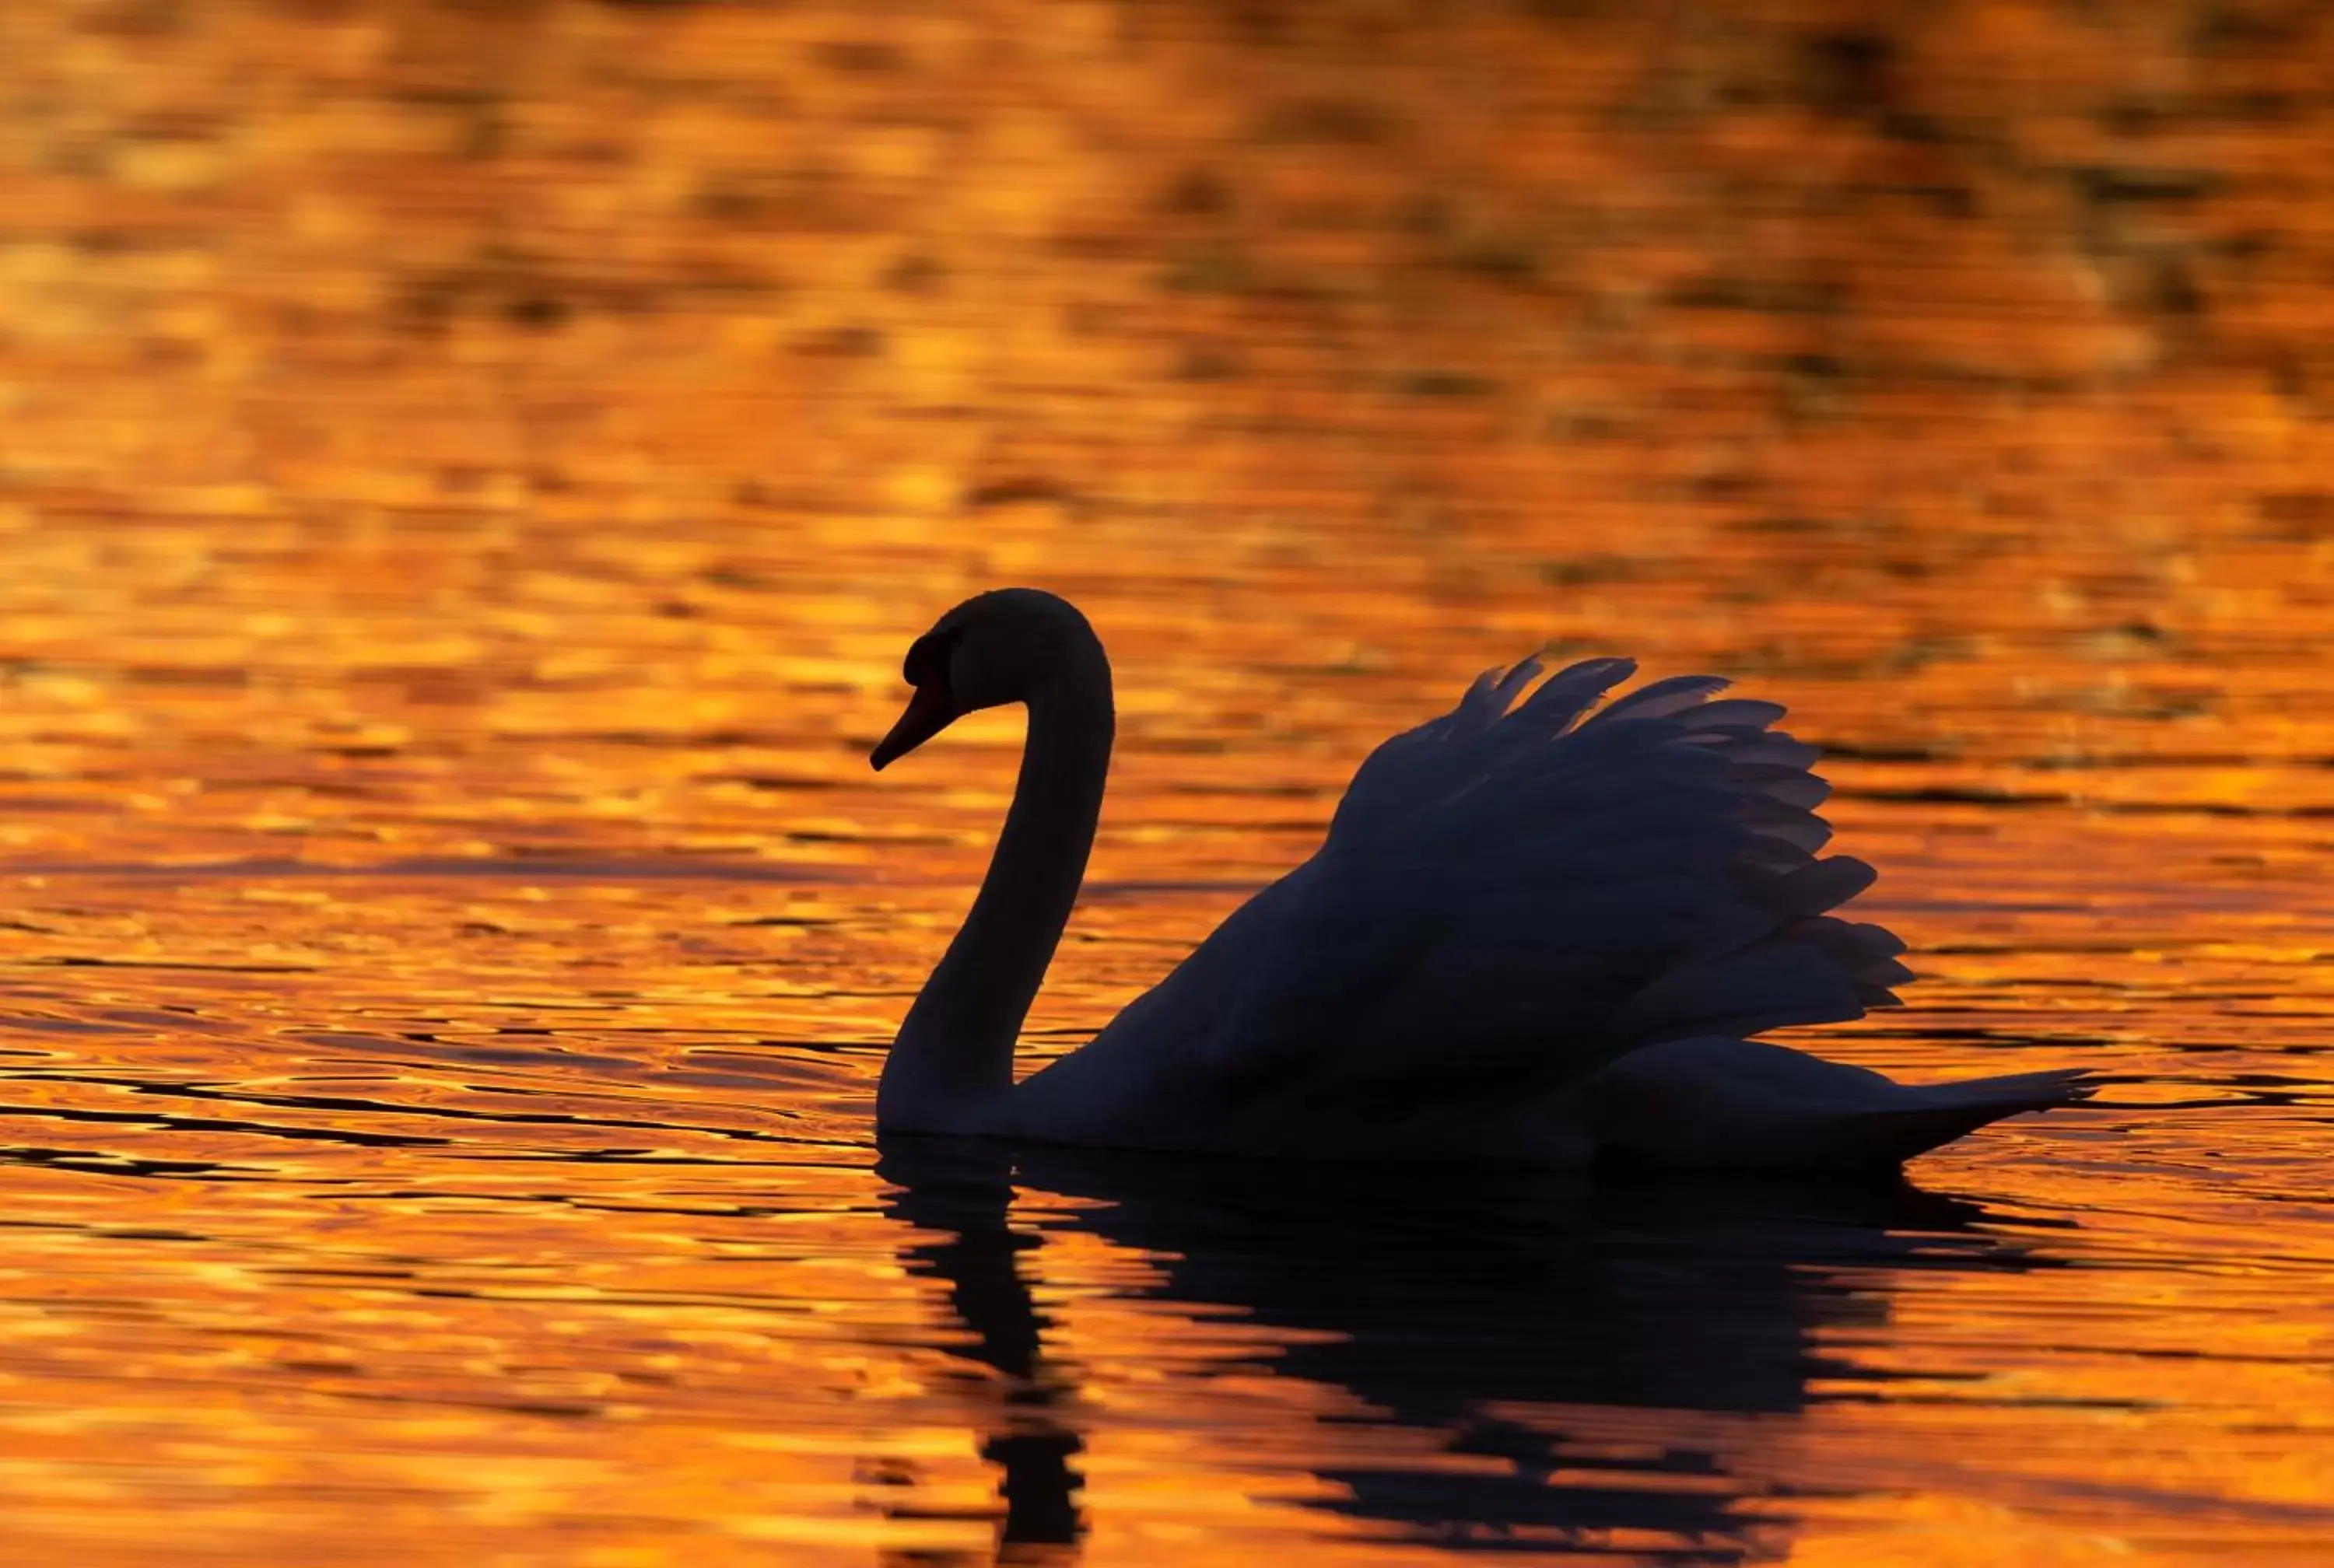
x: 927, y: 663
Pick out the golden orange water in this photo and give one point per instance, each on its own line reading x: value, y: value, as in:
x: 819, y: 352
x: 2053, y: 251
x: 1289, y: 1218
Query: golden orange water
x: 467, y: 474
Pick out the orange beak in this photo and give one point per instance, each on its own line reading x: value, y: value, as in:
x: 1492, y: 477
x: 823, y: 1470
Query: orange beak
x: 928, y: 712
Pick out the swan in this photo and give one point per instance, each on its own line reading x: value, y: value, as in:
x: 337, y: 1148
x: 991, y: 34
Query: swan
x: 1532, y: 934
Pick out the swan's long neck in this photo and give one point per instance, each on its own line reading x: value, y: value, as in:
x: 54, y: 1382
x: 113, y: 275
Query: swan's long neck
x: 954, y: 1052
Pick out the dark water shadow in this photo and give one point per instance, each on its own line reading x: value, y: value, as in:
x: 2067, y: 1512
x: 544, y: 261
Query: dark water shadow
x: 961, y: 1191
x: 1470, y: 1308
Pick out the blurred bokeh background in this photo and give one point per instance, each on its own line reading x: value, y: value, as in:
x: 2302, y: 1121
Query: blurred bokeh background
x: 1992, y: 274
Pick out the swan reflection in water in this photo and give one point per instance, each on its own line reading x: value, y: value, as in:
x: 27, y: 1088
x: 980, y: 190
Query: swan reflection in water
x: 1488, y: 1315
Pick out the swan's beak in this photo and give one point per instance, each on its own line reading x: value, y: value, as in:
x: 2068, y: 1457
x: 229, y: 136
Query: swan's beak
x: 929, y: 711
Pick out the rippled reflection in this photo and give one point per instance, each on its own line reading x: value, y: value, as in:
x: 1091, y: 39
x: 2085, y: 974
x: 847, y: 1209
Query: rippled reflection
x: 1598, y: 1369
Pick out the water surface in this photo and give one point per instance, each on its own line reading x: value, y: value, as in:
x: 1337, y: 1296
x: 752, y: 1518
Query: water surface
x: 472, y: 473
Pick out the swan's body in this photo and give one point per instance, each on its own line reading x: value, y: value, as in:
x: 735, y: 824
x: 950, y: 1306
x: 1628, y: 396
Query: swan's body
x: 1529, y: 937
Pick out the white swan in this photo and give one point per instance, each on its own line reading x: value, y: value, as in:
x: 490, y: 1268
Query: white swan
x: 1527, y: 936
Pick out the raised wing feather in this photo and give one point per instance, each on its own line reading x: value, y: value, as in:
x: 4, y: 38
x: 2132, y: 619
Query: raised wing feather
x: 1512, y: 895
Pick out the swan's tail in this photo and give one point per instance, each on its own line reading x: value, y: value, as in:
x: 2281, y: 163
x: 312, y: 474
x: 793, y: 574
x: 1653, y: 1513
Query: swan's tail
x: 1937, y: 1113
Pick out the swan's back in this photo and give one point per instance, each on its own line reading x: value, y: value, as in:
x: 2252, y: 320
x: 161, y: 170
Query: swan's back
x: 1511, y: 897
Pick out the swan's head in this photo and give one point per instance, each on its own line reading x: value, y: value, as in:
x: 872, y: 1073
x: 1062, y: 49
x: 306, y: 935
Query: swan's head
x: 995, y: 647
